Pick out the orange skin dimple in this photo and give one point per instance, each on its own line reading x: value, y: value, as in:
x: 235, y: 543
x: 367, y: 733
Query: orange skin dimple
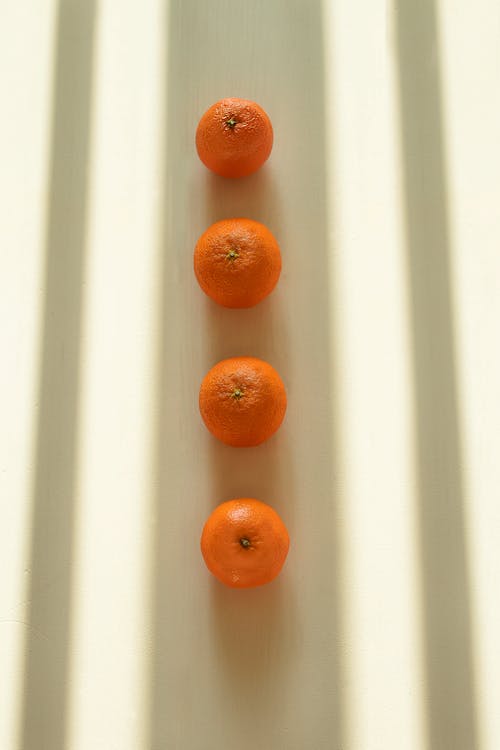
x: 242, y: 401
x: 244, y: 543
x: 237, y: 262
x: 234, y: 137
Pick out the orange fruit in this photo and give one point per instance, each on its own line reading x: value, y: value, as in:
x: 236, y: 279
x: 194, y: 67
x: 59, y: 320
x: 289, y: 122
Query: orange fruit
x: 237, y: 262
x: 242, y: 401
x: 234, y: 137
x: 244, y: 543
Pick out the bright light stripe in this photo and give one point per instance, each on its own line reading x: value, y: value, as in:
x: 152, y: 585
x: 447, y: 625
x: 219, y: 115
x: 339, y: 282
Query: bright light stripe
x: 382, y: 634
x: 26, y: 82
x: 470, y: 64
x: 111, y: 580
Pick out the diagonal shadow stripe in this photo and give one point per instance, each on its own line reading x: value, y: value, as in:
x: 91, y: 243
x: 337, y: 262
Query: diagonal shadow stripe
x: 445, y: 580
x: 43, y: 719
x: 213, y: 649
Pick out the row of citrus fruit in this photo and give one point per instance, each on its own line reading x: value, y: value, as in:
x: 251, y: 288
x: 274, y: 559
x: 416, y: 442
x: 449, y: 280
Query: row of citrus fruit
x: 242, y: 400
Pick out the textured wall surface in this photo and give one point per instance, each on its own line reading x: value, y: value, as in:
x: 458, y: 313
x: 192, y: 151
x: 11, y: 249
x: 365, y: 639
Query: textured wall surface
x: 383, y: 190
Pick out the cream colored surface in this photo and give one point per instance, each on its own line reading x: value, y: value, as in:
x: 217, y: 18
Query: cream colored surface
x: 383, y: 190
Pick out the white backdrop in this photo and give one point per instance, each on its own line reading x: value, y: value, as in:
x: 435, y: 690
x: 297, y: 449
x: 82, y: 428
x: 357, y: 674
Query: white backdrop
x: 383, y: 190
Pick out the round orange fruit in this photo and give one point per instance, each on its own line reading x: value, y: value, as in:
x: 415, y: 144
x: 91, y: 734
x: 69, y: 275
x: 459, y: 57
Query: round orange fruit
x: 234, y: 137
x: 244, y: 543
x: 242, y: 401
x: 237, y: 262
